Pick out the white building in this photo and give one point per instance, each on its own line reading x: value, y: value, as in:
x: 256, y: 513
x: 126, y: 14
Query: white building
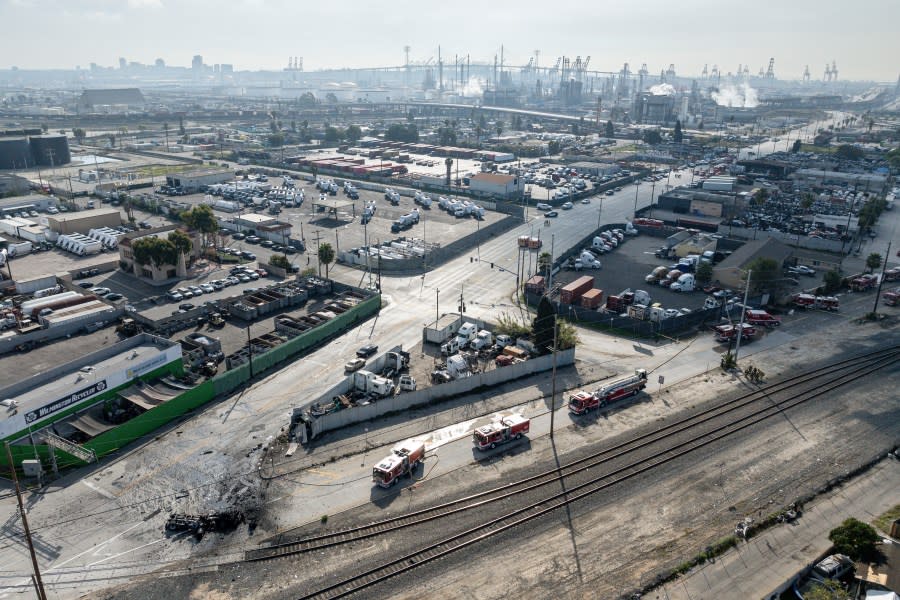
x: 496, y: 185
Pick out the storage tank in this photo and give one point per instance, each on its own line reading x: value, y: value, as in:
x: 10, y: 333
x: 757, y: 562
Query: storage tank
x: 50, y: 150
x: 15, y: 153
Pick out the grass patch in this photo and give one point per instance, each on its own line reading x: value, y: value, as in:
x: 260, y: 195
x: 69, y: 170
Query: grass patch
x: 163, y: 170
x: 884, y: 520
x: 818, y: 149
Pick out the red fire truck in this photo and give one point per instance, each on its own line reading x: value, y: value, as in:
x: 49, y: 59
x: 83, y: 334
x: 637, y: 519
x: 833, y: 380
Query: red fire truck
x: 726, y: 333
x: 582, y: 402
x: 761, y: 317
x: 403, y: 459
x: 501, y: 431
x: 891, y: 297
x: 806, y: 301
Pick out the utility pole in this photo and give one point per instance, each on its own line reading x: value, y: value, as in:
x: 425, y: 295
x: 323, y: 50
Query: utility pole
x: 437, y: 307
x: 740, y: 328
x: 550, y: 268
x: 38, y: 582
x: 250, y: 349
x: 881, y: 280
x: 553, y: 376
x: 318, y: 262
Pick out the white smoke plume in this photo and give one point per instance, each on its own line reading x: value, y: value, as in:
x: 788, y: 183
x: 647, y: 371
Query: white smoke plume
x: 472, y: 88
x: 742, y: 96
x: 662, y: 89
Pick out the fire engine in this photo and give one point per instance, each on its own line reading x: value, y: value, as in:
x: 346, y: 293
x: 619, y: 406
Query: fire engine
x: 863, y: 283
x: 582, y: 402
x: 891, y: 297
x: 726, y: 333
x: 761, y: 317
x: 819, y: 302
x: 501, y: 431
x: 403, y: 459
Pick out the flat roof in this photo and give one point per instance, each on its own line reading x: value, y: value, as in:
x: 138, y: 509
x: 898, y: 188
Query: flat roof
x: 256, y: 218
x: 84, y: 214
x: 492, y: 177
x: 84, y: 376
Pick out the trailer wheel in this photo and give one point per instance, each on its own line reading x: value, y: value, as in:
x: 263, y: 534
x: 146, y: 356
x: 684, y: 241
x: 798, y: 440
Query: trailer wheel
x: 493, y: 445
x: 518, y: 436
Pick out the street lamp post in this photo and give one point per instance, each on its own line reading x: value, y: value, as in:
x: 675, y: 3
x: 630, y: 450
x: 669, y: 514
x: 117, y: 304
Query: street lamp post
x: 637, y: 188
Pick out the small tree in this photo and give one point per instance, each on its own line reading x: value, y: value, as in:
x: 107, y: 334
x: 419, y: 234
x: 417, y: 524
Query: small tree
x: 849, y: 152
x: 275, y: 140
x: 543, y: 324
x: 202, y: 219
x: 854, y: 538
x: 796, y: 147
x: 652, y: 137
x: 182, y: 242
x: 353, y: 133
x: 873, y: 261
x: 280, y: 260
x: 79, y: 134
x: 832, y: 280
x: 326, y: 256
x: 678, y: 135
x: 827, y: 590
x: 765, y: 272
x: 704, y: 272
x: 610, y: 129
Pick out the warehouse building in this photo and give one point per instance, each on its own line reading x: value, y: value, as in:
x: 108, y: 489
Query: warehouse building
x: 265, y: 226
x: 497, y: 185
x: 598, y: 169
x: 732, y: 272
x: 111, y: 101
x: 194, y: 181
x: 72, y: 402
x: 85, y: 220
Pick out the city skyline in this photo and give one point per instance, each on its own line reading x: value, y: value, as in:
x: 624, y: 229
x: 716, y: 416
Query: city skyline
x: 262, y: 34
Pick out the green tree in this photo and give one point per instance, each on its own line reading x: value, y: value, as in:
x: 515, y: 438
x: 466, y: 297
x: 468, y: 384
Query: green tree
x: 307, y: 100
x: 704, y: 272
x: 181, y: 129
x: 275, y: 140
x: 280, y: 260
x: 330, y: 98
x: 827, y: 590
x: 764, y: 275
x: 402, y: 133
x: 854, y: 538
x: 354, y: 133
x: 447, y: 136
x: 832, y: 280
x: 678, y: 135
x: 332, y: 135
x: 152, y: 249
x: 79, y: 134
x: 326, y: 256
x: 760, y: 196
x: 849, y: 152
x: 498, y: 127
x: 293, y: 126
x: 796, y: 147
x: 610, y: 129
x: 806, y: 201
x: 182, y: 242
x: 202, y: 219
x: 112, y: 140
x: 873, y: 261
x: 543, y: 325
x: 652, y: 137
x: 273, y: 126
x: 544, y: 261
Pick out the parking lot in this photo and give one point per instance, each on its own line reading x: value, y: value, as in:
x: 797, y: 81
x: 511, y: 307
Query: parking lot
x: 626, y: 266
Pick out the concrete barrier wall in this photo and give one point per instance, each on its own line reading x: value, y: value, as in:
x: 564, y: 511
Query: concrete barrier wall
x: 433, y: 394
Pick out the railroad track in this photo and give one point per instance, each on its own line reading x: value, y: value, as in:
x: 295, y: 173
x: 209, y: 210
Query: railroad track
x: 479, y: 500
x: 836, y: 375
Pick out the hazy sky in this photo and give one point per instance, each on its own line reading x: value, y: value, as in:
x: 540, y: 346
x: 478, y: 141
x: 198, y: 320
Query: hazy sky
x: 862, y: 36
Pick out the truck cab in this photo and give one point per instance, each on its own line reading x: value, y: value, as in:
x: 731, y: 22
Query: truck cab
x: 466, y: 334
x: 403, y: 460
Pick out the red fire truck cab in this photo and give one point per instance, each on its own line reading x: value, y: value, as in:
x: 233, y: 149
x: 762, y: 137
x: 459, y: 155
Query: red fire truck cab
x: 403, y: 459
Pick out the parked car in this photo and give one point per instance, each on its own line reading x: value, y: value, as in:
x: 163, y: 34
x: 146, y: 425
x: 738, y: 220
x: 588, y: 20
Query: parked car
x: 113, y: 296
x: 238, y: 236
x: 186, y: 306
x: 86, y: 284
x: 266, y: 243
x: 174, y: 296
x: 355, y: 365
x: 567, y: 206
x: 207, y: 288
x: 551, y: 214
x: 367, y: 351
x: 100, y: 291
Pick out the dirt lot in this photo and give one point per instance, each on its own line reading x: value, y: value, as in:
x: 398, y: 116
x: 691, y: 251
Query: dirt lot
x: 611, y: 544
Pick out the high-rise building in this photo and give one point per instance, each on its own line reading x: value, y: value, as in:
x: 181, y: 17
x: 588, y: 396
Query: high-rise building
x: 122, y: 63
x: 197, y: 63
x: 160, y: 63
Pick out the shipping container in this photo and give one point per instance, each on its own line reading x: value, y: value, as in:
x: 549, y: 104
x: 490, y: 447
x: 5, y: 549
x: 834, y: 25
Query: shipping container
x: 592, y: 298
x: 571, y: 293
x: 535, y: 285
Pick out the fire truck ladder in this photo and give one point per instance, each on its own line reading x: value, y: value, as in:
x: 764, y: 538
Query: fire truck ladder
x: 54, y: 441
